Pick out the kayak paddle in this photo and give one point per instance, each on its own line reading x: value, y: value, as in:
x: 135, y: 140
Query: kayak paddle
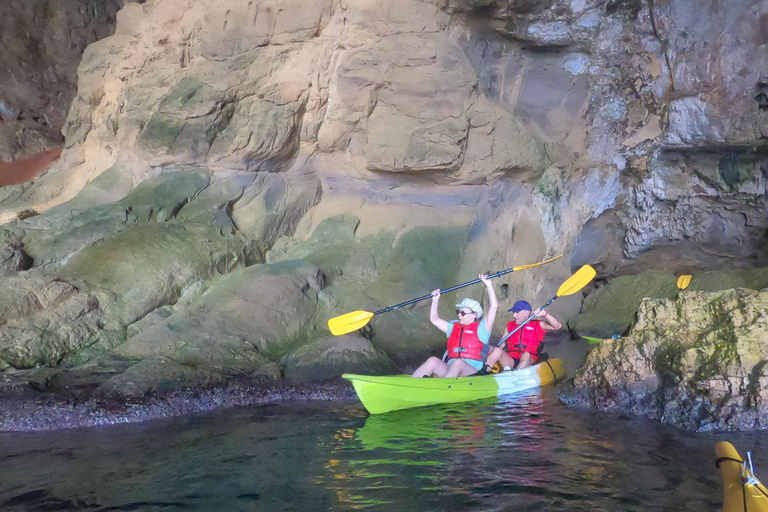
x: 683, y: 281
x: 576, y: 282
x: 355, y: 320
x: 592, y: 339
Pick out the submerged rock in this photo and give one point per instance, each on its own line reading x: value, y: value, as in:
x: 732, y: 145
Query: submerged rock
x: 697, y: 362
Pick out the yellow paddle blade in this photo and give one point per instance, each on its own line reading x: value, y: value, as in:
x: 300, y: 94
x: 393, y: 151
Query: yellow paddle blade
x: 522, y: 267
x: 355, y: 320
x: 348, y: 322
x: 683, y: 281
x: 577, y: 281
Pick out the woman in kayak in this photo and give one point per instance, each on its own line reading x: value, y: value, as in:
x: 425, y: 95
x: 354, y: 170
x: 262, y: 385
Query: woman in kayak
x: 523, y: 347
x: 468, y: 336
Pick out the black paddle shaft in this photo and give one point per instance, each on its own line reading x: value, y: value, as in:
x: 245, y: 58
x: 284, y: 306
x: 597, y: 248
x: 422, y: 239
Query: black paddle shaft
x: 505, y: 338
x: 474, y: 281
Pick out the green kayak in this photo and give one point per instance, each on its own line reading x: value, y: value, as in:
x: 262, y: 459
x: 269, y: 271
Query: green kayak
x: 391, y: 392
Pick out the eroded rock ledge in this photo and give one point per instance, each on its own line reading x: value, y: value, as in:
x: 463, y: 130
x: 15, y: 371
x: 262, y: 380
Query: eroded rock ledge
x: 697, y: 362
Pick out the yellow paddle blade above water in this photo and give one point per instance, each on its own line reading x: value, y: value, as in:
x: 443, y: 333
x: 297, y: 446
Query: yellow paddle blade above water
x: 358, y: 319
x: 531, y: 265
x: 349, y: 322
x: 577, y: 281
x: 683, y: 281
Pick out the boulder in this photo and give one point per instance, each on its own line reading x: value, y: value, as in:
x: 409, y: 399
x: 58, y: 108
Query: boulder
x: 49, y: 336
x: 696, y: 362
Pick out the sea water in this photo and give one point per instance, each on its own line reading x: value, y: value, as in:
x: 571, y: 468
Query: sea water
x: 526, y: 453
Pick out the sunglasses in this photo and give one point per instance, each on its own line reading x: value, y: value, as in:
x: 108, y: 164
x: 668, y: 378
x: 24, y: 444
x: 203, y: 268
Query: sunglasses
x: 464, y: 313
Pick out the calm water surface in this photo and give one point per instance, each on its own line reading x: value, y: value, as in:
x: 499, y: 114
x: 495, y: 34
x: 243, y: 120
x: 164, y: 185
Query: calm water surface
x: 530, y: 453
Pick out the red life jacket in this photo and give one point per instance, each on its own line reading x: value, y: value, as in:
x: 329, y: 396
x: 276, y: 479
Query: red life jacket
x: 528, y: 339
x: 464, y: 343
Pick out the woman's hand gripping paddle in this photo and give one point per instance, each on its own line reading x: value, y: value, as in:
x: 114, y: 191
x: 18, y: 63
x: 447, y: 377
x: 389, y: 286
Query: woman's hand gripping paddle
x: 573, y: 284
x: 355, y: 320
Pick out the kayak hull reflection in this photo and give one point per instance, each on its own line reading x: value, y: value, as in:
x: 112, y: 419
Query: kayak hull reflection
x: 380, y: 394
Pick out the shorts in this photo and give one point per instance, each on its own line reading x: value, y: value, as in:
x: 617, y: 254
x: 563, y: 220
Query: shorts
x: 535, y: 359
x: 474, y: 363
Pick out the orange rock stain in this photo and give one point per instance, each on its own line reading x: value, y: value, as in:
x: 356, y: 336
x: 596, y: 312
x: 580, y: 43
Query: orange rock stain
x: 20, y: 171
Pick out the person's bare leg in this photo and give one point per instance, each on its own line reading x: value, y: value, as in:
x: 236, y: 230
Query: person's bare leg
x: 432, y: 366
x: 494, y: 356
x: 499, y: 355
x: 525, y: 361
x: 506, y: 360
x: 460, y: 369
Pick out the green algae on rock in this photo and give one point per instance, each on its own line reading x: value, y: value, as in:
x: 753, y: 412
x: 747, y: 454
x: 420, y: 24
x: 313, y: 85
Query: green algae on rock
x: 330, y: 356
x: 697, y: 362
x: 611, y: 309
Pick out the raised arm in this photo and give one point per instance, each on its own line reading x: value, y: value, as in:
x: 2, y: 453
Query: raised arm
x: 493, y: 303
x: 548, y: 322
x: 433, y: 316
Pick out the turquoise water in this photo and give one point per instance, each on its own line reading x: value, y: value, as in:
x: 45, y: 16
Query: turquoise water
x: 530, y: 453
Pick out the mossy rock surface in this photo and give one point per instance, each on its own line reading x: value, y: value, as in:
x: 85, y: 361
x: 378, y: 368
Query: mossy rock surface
x: 331, y: 356
x: 58, y: 234
x: 187, y: 119
x: 150, y: 265
x: 364, y: 272
x: 697, y: 362
x: 250, y: 315
x: 151, y: 375
x: 612, y: 309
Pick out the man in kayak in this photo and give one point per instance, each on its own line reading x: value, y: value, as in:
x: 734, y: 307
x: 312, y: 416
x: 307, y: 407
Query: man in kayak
x: 468, y: 336
x: 523, y: 348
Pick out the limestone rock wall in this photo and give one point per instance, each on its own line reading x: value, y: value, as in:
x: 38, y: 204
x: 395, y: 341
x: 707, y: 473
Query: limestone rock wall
x: 396, y: 148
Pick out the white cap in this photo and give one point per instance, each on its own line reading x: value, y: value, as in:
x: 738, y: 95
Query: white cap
x: 473, y: 305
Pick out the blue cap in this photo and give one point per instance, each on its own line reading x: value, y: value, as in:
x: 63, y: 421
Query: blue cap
x: 521, y: 305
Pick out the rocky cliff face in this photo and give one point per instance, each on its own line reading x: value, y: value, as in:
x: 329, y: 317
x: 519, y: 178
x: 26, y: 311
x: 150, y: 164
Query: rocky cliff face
x: 696, y: 362
x: 365, y: 153
x: 42, y: 42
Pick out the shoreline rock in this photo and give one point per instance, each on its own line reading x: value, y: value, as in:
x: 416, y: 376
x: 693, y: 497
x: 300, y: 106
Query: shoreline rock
x: 29, y: 411
x: 697, y: 362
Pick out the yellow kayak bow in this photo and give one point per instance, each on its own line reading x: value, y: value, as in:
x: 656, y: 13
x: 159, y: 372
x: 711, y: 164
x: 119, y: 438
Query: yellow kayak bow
x: 743, y: 492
